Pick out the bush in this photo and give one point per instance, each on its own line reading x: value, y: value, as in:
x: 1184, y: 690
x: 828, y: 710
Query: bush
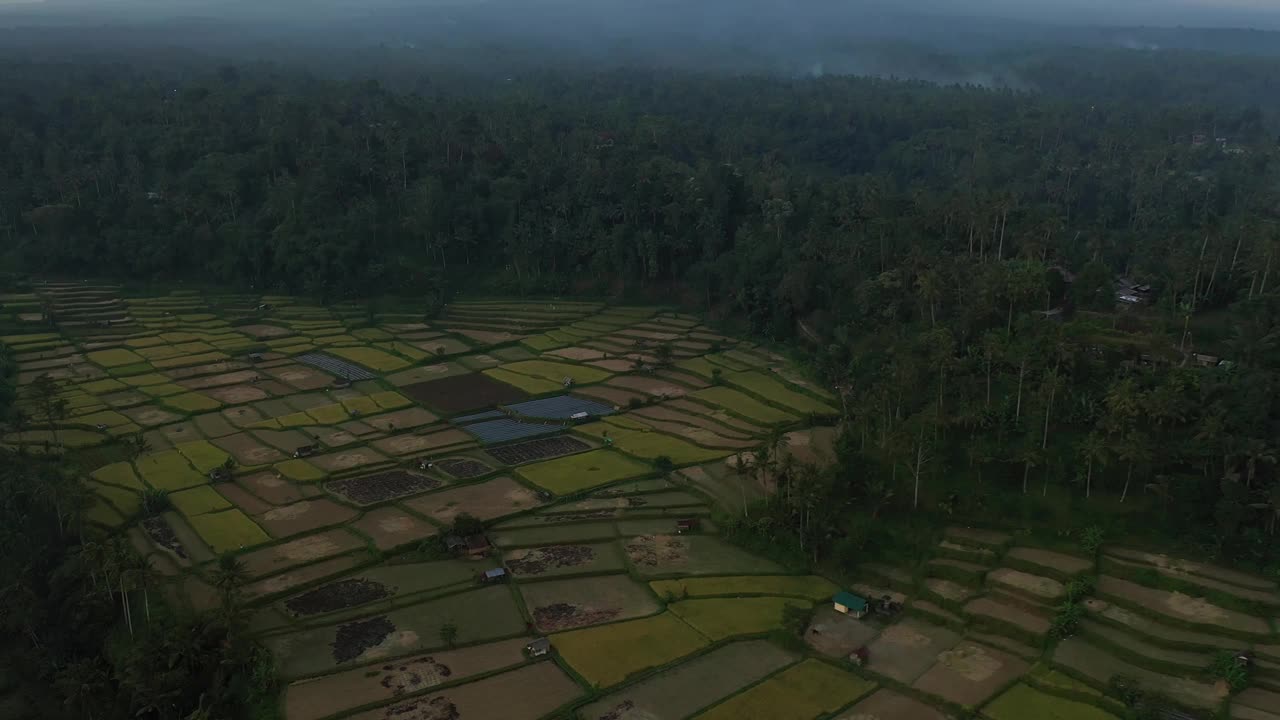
x: 1079, y: 588
x: 1067, y: 621
x: 155, y: 501
x: 465, y: 524
x: 1228, y: 666
x: 1091, y: 539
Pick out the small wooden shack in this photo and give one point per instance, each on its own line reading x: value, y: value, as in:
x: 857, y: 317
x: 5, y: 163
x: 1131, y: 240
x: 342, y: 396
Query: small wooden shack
x: 305, y: 451
x: 849, y: 604
x: 538, y: 647
x: 684, y: 525
x: 496, y: 575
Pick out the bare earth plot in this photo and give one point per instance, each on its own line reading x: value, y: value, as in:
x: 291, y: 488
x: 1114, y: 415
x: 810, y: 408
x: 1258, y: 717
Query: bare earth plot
x: 391, y: 528
x: 1181, y: 607
x: 889, y: 705
x: 1096, y: 664
x: 904, y: 651
x: 566, y: 604
x: 968, y: 674
x: 303, y: 550
x: 487, y: 500
x: 332, y: 694
x: 692, y: 555
x: 484, y: 614
x: 837, y: 635
x: 524, y: 694
x: 304, y: 516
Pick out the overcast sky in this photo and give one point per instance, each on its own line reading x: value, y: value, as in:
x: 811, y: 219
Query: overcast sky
x: 1203, y: 13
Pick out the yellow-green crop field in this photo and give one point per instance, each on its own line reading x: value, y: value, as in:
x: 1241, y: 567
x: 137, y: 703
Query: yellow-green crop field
x: 574, y: 473
x: 531, y: 385
x: 168, y: 470
x: 556, y: 372
x: 607, y: 654
x: 202, y: 454
x: 775, y: 392
x: 198, y: 500
x: 721, y: 618
x: 743, y: 405
x: 228, y: 530
x: 115, y: 357
x: 801, y: 692
x: 300, y: 470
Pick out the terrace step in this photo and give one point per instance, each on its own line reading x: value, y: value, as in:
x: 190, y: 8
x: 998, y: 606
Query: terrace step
x: 1048, y: 562
x: 1037, y: 588
x: 1258, y: 703
x: 948, y: 590
x: 967, y: 553
x: 1181, y: 609
x: 977, y: 537
x: 896, y: 578
x: 990, y: 609
x: 1142, y: 652
x: 1265, y: 597
x: 1099, y: 667
x: 1185, y: 567
x: 1004, y: 643
x: 936, y: 613
x: 1019, y: 600
x: 953, y: 569
x: 1156, y: 632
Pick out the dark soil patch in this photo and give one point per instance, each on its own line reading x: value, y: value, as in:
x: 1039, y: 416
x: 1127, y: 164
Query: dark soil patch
x: 413, y: 674
x: 163, y: 535
x: 538, y: 449
x: 564, y: 616
x: 655, y: 550
x: 540, y: 560
x: 338, y: 596
x: 354, y: 638
x: 619, y: 712
x: 382, y: 486
x: 436, y: 708
x: 463, y: 393
x: 463, y: 468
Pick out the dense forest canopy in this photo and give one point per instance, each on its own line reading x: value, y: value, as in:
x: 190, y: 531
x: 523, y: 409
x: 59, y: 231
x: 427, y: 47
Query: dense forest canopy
x: 948, y: 257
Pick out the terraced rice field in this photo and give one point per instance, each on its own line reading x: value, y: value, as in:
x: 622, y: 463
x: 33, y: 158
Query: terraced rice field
x: 351, y: 460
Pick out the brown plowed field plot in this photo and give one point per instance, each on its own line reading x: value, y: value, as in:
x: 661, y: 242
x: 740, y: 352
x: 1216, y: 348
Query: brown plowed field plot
x: 303, y: 550
x: 262, y: 332
x: 304, y: 516
x: 234, y: 378
x: 616, y: 397
x: 615, y: 365
x: 401, y: 420
x: 243, y: 416
x: 904, y: 651
x: 149, y: 416
x: 1044, y: 589
x: 301, y: 377
x: 330, y: 437
x: 486, y: 337
x: 415, y: 443
x: 243, y: 499
x: 333, y: 694
x: 524, y: 694
x: 248, y: 451
x: 553, y: 560
x: 286, y: 440
x: 347, y: 459
x: 681, y: 691
x: 538, y: 449
x: 649, y: 386
x: 969, y: 673
x: 390, y: 528
x: 463, y: 468
x: 836, y: 634
x: 277, y: 491
x: 566, y: 604
x: 1181, y: 607
x: 382, y: 486
x: 223, y: 366
x: 578, y: 353
x: 459, y: 394
x: 1056, y: 562
x: 487, y: 500
x: 296, y: 578
x: 338, y: 595
x: 889, y: 705
x: 214, y: 425
x: 423, y: 374
x: 994, y: 609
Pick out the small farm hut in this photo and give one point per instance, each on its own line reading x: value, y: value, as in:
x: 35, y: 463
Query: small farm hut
x: 849, y: 604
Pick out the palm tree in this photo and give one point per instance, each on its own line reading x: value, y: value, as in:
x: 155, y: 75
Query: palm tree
x: 228, y: 579
x: 144, y: 577
x: 1094, y: 449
